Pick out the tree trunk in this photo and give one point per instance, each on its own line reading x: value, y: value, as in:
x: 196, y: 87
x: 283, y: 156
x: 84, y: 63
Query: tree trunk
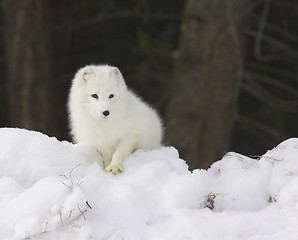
x: 207, y: 76
x: 28, y: 62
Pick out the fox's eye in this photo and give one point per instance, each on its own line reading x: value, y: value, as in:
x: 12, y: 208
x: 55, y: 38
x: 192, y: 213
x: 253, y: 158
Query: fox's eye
x: 111, y: 96
x: 94, y: 96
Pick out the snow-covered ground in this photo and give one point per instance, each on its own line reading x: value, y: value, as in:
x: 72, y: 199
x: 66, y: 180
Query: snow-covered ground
x: 57, y: 190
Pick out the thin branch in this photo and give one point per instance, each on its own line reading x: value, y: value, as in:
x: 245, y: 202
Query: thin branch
x: 232, y: 26
x: 87, y: 203
x: 273, y: 70
x: 82, y: 213
x: 260, y: 127
x: 260, y: 33
x: 63, y: 176
x: 61, y: 218
x: 80, y: 181
x: 252, y: 87
x: 266, y: 157
x: 273, y: 42
x: 117, y: 15
x: 66, y: 184
x: 274, y: 82
x: 277, y: 29
x: 70, y: 174
x: 71, y: 223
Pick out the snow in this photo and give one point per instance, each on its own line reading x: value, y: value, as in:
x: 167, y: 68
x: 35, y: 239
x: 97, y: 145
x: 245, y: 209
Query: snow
x: 57, y: 190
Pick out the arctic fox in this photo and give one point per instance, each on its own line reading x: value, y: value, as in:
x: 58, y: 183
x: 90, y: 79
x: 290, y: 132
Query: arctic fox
x: 104, y: 114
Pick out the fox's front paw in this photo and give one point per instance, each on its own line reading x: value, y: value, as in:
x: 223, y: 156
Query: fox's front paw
x: 114, y: 168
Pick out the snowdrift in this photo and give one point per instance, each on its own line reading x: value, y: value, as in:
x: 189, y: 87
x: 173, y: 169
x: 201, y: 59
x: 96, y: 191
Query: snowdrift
x: 57, y: 190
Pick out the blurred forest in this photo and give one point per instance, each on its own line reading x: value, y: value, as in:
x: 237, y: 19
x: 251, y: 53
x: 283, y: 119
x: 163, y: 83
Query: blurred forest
x: 223, y: 74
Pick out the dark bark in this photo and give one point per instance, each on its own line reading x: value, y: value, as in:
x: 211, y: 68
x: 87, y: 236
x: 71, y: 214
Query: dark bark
x: 207, y: 76
x: 28, y: 62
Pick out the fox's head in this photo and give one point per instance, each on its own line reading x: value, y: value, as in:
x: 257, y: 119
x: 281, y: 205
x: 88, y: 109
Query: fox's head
x: 102, y: 90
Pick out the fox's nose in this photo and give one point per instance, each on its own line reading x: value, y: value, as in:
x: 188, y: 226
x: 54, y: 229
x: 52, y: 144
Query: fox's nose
x: 106, y: 113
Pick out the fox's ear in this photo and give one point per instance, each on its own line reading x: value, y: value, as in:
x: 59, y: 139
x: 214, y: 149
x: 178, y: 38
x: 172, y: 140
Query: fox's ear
x: 85, y: 74
x: 88, y: 75
x: 115, y: 72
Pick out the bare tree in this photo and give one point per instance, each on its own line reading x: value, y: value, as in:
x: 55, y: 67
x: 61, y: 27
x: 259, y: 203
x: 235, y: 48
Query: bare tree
x: 28, y: 62
x: 206, y: 82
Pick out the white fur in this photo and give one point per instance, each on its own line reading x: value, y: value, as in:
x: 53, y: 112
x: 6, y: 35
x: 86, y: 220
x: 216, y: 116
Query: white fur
x: 130, y: 125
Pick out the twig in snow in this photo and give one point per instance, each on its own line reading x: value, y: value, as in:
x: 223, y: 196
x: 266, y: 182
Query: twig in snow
x: 70, y: 174
x: 70, y: 214
x: 210, y: 201
x: 82, y: 213
x: 88, y: 205
x: 72, y: 223
x: 267, y: 157
x: 79, y: 182
x: 61, y: 218
x: 66, y: 184
x: 272, y: 199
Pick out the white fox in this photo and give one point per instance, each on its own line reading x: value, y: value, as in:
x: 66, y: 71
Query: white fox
x: 106, y: 115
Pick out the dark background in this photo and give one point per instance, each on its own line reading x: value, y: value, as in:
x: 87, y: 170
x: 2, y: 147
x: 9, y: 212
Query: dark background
x: 221, y: 73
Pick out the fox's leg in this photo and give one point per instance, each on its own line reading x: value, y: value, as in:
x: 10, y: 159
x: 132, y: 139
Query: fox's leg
x: 125, y: 147
x: 102, y: 160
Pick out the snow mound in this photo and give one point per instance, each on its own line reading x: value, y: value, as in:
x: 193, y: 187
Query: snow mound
x: 57, y: 190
